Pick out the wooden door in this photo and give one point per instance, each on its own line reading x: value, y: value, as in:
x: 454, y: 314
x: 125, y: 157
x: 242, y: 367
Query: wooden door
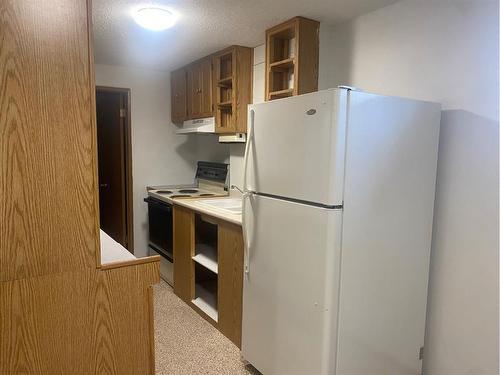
x: 110, y: 107
x: 178, y: 86
x: 206, y: 88
x: 200, y: 89
x: 193, y: 91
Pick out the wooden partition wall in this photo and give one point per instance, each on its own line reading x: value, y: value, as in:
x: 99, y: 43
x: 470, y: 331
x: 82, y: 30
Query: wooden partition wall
x: 60, y: 311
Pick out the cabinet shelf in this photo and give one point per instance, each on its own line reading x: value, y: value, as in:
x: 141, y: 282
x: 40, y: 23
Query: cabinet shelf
x: 281, y: 93
x: 225, y: 82
x: 225, y: 104
x: 283, y: 64
x: 206, y: 298
x: 207, y: 257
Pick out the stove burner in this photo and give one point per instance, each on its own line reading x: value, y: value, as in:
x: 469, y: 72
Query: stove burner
x: 206, y: 195
x: 188, y: 191
x: 180, y: 196
x: 163, y: 192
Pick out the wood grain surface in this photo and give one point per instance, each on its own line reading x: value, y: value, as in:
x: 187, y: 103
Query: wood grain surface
x: 84, y: 322
x: 59, y: 313
x: 48, y: 206
x: 183, y: 252
x: 230, y: 295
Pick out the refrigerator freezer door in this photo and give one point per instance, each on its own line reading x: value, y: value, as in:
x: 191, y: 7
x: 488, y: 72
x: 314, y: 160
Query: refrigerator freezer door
x: 297, y: 145
x: 290, y: 292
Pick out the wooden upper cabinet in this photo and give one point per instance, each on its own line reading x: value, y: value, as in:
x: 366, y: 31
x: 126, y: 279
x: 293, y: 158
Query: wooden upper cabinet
x: 292, y: 58
x: 218, y: 85
x: 199, y: 89
x: 178, y: 87
x: 232, y: 88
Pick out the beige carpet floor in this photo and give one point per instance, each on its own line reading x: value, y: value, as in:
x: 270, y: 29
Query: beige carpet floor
x: 186, y: 344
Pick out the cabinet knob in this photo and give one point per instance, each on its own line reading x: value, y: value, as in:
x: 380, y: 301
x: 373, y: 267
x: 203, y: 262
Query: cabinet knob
x: 198, y: 91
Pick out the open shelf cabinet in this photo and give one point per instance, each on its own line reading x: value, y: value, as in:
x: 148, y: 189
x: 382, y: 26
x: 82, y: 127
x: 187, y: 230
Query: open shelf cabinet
x: 208, y: 273
x: 206, y: 265
x: 292, y: 58
x: 232, y: 91
x: 205, y: 292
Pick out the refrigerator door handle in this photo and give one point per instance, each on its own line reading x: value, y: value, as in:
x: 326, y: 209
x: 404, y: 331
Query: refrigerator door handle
x: 247, y: 149
x: 246, y: 238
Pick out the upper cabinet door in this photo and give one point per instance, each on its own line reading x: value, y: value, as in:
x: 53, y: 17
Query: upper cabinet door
x: 178, y: 86
x: 200, y: 89
x: 193, y: 90
x: 206, y: 88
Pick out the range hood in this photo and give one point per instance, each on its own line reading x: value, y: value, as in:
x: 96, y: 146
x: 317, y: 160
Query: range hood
x: 200, y: 125
x: 207, y: 126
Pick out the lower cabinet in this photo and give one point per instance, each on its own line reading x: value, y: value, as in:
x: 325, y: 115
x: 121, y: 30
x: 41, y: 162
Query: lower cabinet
x: 208, y: 271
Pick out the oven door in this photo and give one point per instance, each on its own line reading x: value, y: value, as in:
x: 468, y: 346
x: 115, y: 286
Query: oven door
x: 160, y: 227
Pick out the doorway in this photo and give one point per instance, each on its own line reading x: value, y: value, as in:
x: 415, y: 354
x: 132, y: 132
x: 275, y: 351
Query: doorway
x: 114, y: 151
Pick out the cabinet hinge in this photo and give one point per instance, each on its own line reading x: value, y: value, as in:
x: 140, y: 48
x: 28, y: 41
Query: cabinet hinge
x: 123, y: 113
x: 421, y: 353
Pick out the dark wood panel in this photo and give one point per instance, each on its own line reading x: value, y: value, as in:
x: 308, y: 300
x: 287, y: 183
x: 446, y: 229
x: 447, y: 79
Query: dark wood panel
x: 206, y: 87
x: 230, y: 296
x: 193, y: 91
x: 183, y: 253
x: 178, y: 85
x: 84, y: 322
x: 48, y: 212
x: 308, y: 56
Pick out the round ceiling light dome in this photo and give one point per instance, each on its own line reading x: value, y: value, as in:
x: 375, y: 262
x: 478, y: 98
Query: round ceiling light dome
x: 154, y: 18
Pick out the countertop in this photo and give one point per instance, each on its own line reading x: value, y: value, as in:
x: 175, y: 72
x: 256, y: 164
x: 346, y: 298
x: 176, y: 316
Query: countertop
x: 196, y: 204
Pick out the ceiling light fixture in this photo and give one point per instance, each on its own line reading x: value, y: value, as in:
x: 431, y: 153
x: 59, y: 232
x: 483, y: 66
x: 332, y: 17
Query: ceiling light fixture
x: 154, y: 18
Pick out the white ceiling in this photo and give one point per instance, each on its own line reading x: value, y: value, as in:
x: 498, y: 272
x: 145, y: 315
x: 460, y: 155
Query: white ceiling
x: 205, y: 26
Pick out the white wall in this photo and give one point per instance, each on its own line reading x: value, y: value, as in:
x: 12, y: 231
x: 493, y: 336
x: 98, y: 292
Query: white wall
x: 159, y: 156
x: 443, y: 51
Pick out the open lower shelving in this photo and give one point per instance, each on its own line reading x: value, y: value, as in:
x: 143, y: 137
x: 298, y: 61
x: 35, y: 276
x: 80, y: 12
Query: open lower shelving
x: 206, y: 297
x: 207, y: 257
x: 206, y: 267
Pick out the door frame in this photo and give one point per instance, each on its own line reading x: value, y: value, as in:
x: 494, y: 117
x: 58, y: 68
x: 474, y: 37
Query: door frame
x: 128, y: 161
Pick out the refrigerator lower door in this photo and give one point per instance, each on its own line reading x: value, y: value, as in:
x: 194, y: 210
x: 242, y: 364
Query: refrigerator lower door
x: 290, y: 292
x: 296, y: 147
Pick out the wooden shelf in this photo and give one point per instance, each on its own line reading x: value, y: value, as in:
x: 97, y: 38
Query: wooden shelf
x: 225, y: 82
x: 281, y: 93
x: 207, y: 257
x: 225, y: 104
x: 283, y: 64
x: 206, y: 299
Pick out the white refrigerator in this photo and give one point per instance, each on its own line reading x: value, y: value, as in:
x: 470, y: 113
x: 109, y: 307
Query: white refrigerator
x: 337, y: 221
